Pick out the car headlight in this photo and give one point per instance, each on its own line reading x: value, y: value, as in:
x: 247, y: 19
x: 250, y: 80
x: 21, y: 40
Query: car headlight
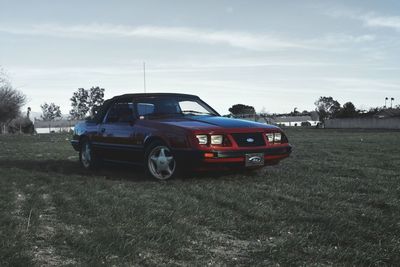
x: 274, y: 138
x: 277, y: 137
x: 217, y: 139
x: 270, y: 137
x: 202, y: 138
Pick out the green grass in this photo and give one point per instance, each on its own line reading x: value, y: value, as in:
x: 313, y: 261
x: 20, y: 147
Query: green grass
x: 335, y: 201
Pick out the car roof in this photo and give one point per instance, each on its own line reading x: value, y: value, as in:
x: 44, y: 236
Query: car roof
x: 138, y: 95
x: 107, y: 103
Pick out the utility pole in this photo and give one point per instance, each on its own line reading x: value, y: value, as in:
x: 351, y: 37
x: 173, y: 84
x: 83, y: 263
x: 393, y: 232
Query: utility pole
x: 391, y: 101
x: 386, y: 99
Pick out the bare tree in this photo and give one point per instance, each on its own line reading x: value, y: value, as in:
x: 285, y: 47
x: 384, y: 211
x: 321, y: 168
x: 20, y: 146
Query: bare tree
x: 11, y: 101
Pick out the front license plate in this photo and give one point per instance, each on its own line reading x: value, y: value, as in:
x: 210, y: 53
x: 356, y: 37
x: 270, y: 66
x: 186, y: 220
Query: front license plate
x: 254, y: 159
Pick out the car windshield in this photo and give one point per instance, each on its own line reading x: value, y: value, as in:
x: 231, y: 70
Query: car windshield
x: 150, y: 107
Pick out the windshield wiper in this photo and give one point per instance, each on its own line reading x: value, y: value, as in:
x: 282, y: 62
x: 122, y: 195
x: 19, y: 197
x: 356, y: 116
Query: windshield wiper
x: 196, y: 112
x: 160, y: 114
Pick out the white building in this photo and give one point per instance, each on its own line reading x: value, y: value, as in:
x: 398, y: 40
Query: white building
x: 295, y: 121
x: 57, y: 126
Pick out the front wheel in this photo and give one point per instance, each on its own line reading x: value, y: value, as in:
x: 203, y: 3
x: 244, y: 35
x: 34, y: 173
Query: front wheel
x: 160, y: 162
x: 87, y: 157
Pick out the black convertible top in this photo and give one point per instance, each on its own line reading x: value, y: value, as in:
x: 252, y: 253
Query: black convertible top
x: 101, y: 112
x: 152, y: 94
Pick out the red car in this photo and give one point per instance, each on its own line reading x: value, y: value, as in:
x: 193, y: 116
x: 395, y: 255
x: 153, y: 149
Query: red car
x: 170, y: 132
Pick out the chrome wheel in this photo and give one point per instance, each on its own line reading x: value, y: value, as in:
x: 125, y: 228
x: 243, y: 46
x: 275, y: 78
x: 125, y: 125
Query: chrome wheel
x: 86, y: 155
x: 161, y: 162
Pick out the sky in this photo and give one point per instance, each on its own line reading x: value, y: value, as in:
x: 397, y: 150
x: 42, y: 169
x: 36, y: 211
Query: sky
x: 273, y: 55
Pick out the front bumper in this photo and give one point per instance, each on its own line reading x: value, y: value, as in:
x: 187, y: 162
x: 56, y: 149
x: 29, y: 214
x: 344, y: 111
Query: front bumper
x: 197, y: 159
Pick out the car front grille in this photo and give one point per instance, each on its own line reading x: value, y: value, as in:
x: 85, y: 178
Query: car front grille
x: 248, y: 139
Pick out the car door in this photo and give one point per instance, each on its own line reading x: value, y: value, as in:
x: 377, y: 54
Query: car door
x: 117, y: 134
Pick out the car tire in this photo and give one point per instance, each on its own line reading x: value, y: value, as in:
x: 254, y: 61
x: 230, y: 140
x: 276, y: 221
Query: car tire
x: 160, y: 162
x: 87, y: 158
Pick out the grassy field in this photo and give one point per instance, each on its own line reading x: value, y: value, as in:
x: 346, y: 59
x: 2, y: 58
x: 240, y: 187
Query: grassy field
x: 335, y: 201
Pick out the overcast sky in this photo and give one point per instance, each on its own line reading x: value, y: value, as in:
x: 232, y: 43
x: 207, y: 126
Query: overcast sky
x: 274, y: 55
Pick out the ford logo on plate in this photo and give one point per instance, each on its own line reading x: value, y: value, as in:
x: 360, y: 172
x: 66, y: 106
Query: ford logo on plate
x: 250, y: 140
x: 255, y: 159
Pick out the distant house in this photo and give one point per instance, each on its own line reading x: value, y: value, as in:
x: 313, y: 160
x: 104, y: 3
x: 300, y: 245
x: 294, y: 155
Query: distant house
x: 56, y: 126
x: 388, y: 113
x: 250, y: 117
x: 284, y: 120
x: 255, y: 118
x: 382, y: 119
x: 295, y: 121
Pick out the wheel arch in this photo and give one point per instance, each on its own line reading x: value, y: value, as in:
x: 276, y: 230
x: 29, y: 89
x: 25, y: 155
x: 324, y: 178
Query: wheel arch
x: 81, y: 138
x: 151, y: 139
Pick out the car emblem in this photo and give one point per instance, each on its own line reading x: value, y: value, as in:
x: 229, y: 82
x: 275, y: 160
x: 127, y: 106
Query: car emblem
x: 250, y: 140
x: 255, y: 159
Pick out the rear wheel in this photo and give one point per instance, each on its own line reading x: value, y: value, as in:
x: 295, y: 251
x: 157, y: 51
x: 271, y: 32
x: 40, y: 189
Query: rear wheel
x: 160, y: 163
x: 87, y: 157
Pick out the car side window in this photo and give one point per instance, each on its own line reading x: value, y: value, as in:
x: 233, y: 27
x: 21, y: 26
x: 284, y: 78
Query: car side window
x: 158, y: 106
x: 120, y: 113
x: 144, y: 109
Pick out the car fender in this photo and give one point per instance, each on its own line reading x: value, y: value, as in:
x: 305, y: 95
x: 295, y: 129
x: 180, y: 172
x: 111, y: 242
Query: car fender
x: 171, y: 139
x: 151, y: 138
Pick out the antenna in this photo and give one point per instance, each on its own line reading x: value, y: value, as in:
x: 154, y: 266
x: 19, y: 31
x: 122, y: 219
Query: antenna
x: 144, y: 77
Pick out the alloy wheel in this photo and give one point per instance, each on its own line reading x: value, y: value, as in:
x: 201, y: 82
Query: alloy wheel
x: 86, y: 156
x: 161, y: 163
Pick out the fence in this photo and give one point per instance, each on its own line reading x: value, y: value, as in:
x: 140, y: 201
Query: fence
x: 364, y: 123
x: 54, y: 126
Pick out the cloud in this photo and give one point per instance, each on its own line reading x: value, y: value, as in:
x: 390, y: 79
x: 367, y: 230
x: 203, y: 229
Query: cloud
x: 237, y: 39
x: 362, y: 84
x: 232, y: 38
x: 382, y: 21
x: 338, y: 39
x: 369, y: 19
x: 176, y: 67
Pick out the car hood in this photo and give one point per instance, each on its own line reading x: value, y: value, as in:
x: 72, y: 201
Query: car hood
x: 213, y: 122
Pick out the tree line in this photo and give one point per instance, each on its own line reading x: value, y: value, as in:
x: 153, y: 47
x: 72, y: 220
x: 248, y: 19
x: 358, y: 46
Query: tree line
x: 326, y: 108
x: 83, y: 102
x: 11, y: 102
x: 329, y: 108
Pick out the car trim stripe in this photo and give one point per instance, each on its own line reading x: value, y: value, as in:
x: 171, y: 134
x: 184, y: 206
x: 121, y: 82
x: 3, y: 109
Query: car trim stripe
x: 117, y: 146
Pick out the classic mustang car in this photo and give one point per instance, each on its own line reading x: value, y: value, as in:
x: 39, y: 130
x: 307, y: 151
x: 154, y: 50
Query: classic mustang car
x: 168, y: 132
